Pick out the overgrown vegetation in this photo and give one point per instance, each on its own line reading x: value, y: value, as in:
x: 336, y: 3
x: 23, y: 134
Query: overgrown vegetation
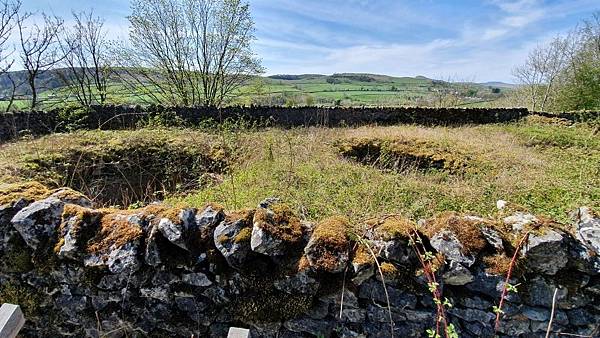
x: 546, y: 168
x: 118, y: 168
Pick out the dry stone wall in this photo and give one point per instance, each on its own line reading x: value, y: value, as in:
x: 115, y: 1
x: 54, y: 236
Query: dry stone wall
x: 122, y: 117
x: 182, y: 272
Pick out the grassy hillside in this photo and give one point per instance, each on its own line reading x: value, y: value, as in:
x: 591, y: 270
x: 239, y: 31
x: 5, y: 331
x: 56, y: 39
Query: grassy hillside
x: 293, y: 90
x: 359, y: 90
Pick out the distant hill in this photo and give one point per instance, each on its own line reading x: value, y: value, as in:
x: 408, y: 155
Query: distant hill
x: 355, y: 89
x: 499, y: 84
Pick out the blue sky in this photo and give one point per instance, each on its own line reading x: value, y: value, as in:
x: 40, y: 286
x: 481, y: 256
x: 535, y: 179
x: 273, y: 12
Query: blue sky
x: 465, y: 40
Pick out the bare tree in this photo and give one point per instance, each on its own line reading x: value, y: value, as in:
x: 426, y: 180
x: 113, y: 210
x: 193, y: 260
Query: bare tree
x: 9, y: 11
x: 448, y: 91
x: 40, y: 49
x: 542, y: 69
x: 87, y: 64
x: 189, y: 52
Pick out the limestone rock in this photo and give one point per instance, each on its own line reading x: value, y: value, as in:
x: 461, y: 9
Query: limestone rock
x: 263, y: 242
x: 396, y: 250
x: 7, y: 231
x: 362, y: 272
x: 301, y: 282
x: 275, y: 228
x: 152, y: 252
x: 232, y: 238
x: 119, y: 245
x: 328, y: 247
x: 588, y: 228
x: 78, y: 225
x: 546, y: 253
x: 457, y: 274
x: 70, y: 196
x: 158, y: 293
x: 373, y: 290
x: 308, y: 325
x: 207, y: 221
x: 473, y: 315
x: 38, y: 222
x: 353, y: 315
x: 267, y: 202
x: 447, y: 243
x: 335, y: 299
x: 519, y: 220
x: 493, y: 238
x: 196, y: 279
x: 177, y: 231
x: 124, y: 258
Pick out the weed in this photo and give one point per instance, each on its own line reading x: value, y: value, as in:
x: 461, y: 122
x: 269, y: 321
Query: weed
x: 426, y: 259
x: 507, y: 287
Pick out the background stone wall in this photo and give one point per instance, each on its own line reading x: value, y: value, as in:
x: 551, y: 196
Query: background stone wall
x: 159, y: 271
x: 123, y: 117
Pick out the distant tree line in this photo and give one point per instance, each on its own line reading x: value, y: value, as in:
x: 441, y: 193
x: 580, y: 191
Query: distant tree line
x: 179, y: 52
x: 563, y: 74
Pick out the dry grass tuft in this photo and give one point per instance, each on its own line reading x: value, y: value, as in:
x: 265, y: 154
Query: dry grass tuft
x: 498, y: 264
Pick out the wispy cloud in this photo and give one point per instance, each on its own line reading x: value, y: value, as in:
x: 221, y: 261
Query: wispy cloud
x: 471, y: 38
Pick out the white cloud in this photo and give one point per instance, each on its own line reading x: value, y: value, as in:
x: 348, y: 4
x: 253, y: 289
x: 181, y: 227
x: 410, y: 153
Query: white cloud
x: 494, y: 33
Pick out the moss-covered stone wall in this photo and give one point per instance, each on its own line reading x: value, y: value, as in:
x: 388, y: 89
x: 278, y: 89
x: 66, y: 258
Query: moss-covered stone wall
x: 180, y: 272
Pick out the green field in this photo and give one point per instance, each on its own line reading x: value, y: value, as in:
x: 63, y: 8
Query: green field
x: 299, y: 90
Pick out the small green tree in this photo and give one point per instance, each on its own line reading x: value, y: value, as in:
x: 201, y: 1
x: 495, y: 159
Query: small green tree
x: 582, y: 92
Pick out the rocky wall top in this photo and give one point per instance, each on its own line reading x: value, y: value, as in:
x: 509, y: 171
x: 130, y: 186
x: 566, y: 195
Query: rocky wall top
x: 181, y: 272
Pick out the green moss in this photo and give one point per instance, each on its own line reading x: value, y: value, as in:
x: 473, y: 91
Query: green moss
x: 261, y: 301
x: 329, y: 239
x: 28, y: 190
x: 26, y: 297
x: 18, y: 258
x: 467, y: 231
x: 392, y: 227
x: 405, y: 154
x: 223, y: 238
x: 243, y: 236
x: 279, y: 221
